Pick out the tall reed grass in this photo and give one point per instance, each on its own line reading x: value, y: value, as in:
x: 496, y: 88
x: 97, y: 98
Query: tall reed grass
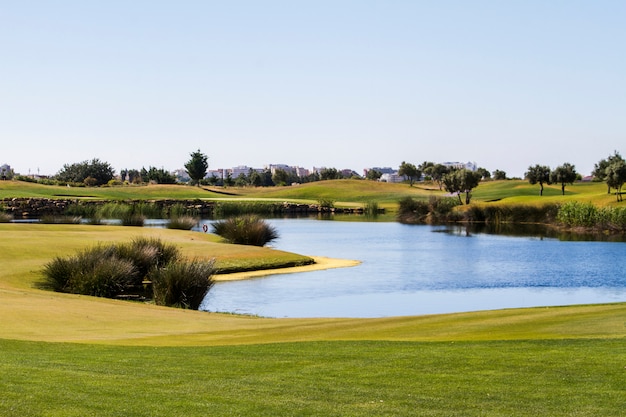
x: 518, y: 213
x: 237, y: 208
x: 577, y: 214
x: 182, y: 284
x: 129, y: 214
x: 245, y: 230
x: 371, y: 209
x: 143, y: 268
x: 96, y: 271
x: 182, y: 222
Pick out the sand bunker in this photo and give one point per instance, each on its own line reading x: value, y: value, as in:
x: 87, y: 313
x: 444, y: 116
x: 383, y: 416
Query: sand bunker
x: 321, y: 263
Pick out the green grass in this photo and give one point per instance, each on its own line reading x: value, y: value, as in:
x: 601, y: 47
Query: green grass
x: 9, y: 189
x: 345, y: 193
x: 501, y: 378
x: 71, y: 355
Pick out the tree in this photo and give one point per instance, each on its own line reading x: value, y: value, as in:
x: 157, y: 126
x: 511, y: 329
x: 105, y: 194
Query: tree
x: 484, y: 174
x: 254, y: 178
x: 410, y: 171
x: 266, y: 178
x: 462, y: 181
x: 157, y: 175
x: 616, y: 176
x: 241, y: 180
x: 373, y: 174
x: 434, y: 171
x: 564, y: 174
x: 6, y: 172
x: 197, y: 167
x: 280, y: 177
x: 228, y: 181
x: 538, y: 174
x: 499, y: 175
x: 97, y: 171
x: 599, y: 170
x: 131, y: 175
x: 330, y: 174
x: 426, y: 168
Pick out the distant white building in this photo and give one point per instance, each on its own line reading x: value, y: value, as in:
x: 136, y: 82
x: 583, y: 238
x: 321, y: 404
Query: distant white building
x: 180, y: 174
x: 235, y: 172
x: 470, y: 166
x: 5, y: 171
x: 393, y: 177
x: 295, y: 170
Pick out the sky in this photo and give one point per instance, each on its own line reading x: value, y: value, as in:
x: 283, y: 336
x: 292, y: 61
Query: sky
x: 341, y: 83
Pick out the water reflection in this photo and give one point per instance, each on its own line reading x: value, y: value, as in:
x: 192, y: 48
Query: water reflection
x: 532, y: 230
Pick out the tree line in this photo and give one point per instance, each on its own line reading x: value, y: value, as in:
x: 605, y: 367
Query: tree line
x: 96, y: 173
x: 611, y: 169
x: 459, y: 181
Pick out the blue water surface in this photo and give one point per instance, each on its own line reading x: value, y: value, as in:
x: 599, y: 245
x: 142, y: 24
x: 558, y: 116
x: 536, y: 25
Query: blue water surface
x: 414, y: 270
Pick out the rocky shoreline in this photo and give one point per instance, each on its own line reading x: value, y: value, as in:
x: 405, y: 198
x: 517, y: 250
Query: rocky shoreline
x: 34, y: 208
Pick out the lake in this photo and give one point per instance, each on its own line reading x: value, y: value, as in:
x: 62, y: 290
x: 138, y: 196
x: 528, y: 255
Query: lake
x: 415, y: 270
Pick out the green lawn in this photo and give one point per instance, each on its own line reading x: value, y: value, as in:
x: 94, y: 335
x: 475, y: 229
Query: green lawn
x: 342, y: 192
x: 369, y: 378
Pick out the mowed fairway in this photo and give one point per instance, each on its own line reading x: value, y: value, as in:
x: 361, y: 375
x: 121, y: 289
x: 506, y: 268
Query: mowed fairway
x: 70, y: 355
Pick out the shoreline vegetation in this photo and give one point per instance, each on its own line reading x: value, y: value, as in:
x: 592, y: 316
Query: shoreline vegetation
x: 72, y: 354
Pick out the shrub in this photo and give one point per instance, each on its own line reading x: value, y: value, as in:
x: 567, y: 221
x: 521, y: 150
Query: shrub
x: 182, y: 222
x: 109, y: 271
x: 326, y: 203
x: 108, y: 277
x: 57, y: 274
x: 245, y: 230
x: 182, y: 284
x: 412, y: 211
x: 442, y: 206
x: 371, y: 208
x: 475, y: 213
x: 147, y: 253
x: 95, y: 271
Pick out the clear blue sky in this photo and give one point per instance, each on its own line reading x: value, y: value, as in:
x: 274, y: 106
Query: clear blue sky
x: 344, y: 84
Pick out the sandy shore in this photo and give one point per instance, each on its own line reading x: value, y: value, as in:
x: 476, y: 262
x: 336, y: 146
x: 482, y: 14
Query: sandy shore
x: 321, y: 263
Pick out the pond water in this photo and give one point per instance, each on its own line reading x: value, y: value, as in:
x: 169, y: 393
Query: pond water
x: 414, y: 270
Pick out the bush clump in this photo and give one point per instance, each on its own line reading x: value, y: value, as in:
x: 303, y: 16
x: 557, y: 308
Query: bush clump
x: 182, y: 284
x: 148, y: 253
x: 182, y: 222
x: 515, y: 213
x: 435, y: 210
x: 412, y: 211
x: 143, y: 268
x: 96, y: 271
x: 245, y: 230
